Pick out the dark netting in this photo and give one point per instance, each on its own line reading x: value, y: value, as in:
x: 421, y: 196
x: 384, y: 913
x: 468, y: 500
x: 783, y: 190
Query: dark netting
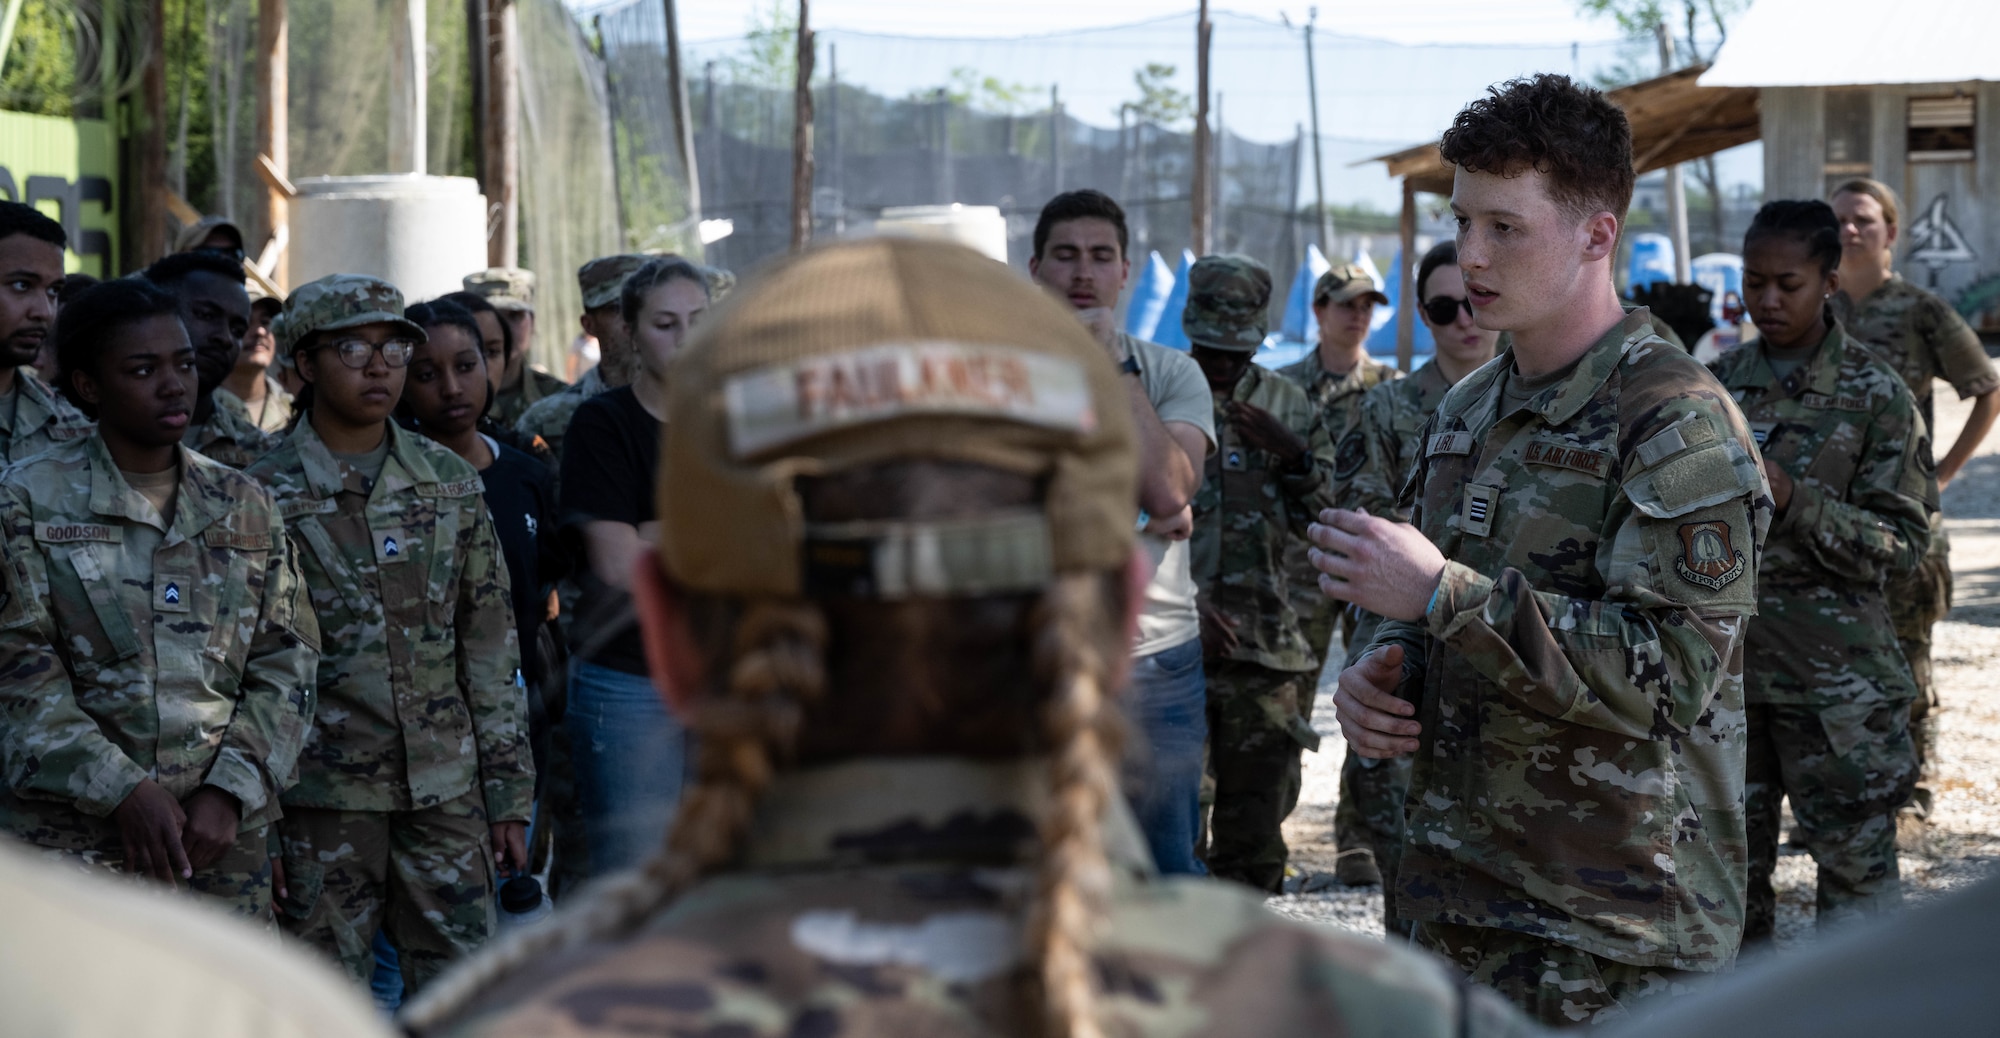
x: 652, y: 182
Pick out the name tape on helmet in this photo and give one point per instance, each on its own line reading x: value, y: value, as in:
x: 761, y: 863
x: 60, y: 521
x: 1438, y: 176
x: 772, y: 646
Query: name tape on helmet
x: 785, y: 403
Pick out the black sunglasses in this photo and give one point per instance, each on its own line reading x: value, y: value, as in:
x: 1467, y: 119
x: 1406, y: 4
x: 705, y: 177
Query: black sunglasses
x: 1443, y: 310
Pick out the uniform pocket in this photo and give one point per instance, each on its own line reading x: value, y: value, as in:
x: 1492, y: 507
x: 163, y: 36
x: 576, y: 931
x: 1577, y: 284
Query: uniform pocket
x: 305, y: 879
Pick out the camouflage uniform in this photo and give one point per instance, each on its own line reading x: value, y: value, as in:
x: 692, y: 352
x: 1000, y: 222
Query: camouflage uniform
x: 277, y: 412
x: 230, y: 435
x: 601, y: 280
x: 131, y: 649
x: 1826, y: 685
x: 43, y: 418
x: 1338, y: 398
x: 919, y: 934
x: 512, y: 290
x: 1924, y: 339
x: 421, y: 741
x: 1372, y: 462
x: 1260, y: 697
x: 1578, y: 676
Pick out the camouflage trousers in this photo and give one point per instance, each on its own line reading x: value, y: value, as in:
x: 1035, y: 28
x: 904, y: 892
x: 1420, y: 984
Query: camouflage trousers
x: 239, y: 882
x: 1551, y: 982
x: 1846, y: 769
x: 424, y: 877
x: 1369, y: 816
x: 1916, y: 603
x: 1258, y: 723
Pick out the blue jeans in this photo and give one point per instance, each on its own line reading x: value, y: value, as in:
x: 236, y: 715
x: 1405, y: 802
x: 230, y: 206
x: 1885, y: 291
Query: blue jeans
x: 630, y: 754
x: 1167, y: 701
x: 387, y: 983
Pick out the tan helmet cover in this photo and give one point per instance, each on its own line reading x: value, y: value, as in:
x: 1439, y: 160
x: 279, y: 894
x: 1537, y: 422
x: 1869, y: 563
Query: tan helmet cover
x: 877, y: 350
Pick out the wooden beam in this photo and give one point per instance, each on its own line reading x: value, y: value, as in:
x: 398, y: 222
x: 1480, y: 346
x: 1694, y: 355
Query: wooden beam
x: 274, y: 127
x: 677, y: 99
x: 1406, y: 291
x: 501, y: 149
x: 1199, y: 192
x: 146, y: 168
x: 802, y: 134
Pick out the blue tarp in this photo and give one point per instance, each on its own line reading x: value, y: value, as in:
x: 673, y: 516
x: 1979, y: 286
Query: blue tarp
x: 1168, y: 332
x: 1298, y: 325
x: 1149, y: 297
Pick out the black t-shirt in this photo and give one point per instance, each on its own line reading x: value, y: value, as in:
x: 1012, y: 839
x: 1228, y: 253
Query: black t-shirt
x: 611, y: 453
x: 520, y: 492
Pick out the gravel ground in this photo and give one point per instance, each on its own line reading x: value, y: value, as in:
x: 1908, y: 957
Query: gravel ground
x: 1965, y: 833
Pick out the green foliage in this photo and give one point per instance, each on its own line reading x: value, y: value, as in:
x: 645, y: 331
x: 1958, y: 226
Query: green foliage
x: 1159, y: 102
x: 1687, y: 19
x: 40, y: 73
x: 969, y: 89
x: 770, y: 56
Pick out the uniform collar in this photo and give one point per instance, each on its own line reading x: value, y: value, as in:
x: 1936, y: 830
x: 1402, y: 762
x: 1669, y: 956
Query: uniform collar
x: 1819, y: 374
x: 876, y: 811
x: 1561, y: 402
x: 200, y: 501
x: 405, y: 467
x: 37, y: 404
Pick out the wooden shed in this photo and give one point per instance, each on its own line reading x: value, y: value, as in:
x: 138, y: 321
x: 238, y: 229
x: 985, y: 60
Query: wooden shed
x: 1907, y: 94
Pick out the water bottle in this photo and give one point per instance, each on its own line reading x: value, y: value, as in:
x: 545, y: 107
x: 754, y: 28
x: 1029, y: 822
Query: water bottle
x: 522, y: 904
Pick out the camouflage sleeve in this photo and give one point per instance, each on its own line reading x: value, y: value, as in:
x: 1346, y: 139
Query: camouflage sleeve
x: 488, y: 658
x: 1307, y: 492
x: 1960, y: 357
x: 1877, y: 527
x: 1679, y: 562
x: 1374, y: 452
x: 50, y: 748
x: 260, y: 751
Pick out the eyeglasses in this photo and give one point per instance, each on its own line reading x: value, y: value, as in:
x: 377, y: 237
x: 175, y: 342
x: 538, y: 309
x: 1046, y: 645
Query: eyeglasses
x: 1443, y: 310
x: 355, y: 352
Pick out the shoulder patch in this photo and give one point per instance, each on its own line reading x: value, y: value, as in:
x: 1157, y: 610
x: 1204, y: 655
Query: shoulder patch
x: 1694, y: 479
x: 1350, y: 456
x: 73, y: 533
x: 1556, y: 454
x: 455, y: 488
x: 1709, y: 556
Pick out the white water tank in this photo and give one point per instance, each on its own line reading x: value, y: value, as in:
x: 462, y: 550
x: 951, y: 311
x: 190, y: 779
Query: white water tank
x: 422, y: 234
x: 980, y: 227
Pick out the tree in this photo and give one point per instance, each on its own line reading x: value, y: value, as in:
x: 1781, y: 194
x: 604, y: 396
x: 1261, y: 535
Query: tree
x: 1159, y: 102
x: 989, y: 93
x: 770, y: 56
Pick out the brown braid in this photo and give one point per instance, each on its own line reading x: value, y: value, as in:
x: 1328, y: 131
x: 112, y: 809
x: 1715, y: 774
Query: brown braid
x: 1083, y: 732
x: 777, y: 669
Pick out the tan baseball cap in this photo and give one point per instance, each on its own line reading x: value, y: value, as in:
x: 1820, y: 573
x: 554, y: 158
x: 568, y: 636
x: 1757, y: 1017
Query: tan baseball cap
x: 868, y: 351
x: 1345, y: 282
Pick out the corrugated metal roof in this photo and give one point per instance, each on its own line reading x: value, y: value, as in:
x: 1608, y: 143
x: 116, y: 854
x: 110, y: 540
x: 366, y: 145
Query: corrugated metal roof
x: 1780, y: 43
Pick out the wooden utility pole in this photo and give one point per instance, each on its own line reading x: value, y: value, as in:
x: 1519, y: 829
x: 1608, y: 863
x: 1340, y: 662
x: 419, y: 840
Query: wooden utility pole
x: 409, y: 89
x: 273, y: 129
x: 677, y: 96
x: 802, y: 135
x: 1406, y: 273
x: 1198, y: 201
x: 1324, y: 219
x: 146, y: 234
x: 1055, y: 137
x: 501, y: 146
x: 1677, y: 210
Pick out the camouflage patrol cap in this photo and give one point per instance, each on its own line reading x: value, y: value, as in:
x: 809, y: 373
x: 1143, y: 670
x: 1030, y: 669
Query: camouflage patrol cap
x: 507, y: 288
x: 339, y: 301
x: 197, y: 232
x: 1345, y: 282
x: 720, y: 283
x: 868, y: 351
x: 602, y: 277
x: 1226, y: 302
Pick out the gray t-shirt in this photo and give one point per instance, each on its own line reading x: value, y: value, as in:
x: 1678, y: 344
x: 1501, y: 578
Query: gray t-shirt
x: 1174, y: 384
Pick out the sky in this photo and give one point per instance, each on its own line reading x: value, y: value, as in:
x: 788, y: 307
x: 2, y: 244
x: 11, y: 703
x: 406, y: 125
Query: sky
x: 1390, y: 74
x: 1405, y: 21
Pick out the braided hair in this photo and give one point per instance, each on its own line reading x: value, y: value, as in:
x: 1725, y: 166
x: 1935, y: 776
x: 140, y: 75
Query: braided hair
x: 1809, y: 222
x: 776, y: 676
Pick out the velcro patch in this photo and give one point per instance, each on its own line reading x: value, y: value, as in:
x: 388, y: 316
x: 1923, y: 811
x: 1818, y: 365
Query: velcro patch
x: 1674, y: 439
x: 1459, y: 442
x: 455, y: 488
x: 785, y: 403
x: 1825, y: 402
x: 71, y: 533
x: 292, y: 508
x: 1567, y: 456
x: 1480, y: 504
